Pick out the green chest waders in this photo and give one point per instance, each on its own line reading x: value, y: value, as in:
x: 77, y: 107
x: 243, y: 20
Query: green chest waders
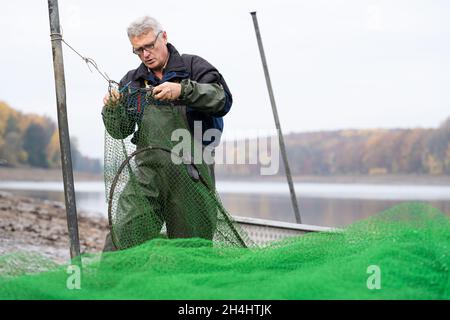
x: 160, y: 192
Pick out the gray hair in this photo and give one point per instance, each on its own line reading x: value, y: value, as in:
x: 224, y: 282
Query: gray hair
x: 142, y: 26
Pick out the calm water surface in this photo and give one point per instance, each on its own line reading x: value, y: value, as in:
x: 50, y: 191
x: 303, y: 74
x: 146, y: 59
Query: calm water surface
x: 325, y: 204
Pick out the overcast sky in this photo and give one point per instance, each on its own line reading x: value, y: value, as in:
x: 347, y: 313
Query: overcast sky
x: 334, y: 64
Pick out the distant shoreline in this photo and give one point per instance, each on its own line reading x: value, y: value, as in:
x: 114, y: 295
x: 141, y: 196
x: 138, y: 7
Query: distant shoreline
x: 36, y: 174
x: 388, y: 179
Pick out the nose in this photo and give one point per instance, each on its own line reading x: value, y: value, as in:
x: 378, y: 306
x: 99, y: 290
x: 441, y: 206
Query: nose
x: 146, y: 54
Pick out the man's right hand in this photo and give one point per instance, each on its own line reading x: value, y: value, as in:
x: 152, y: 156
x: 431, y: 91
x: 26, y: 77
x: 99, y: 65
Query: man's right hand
x: 111, y: 98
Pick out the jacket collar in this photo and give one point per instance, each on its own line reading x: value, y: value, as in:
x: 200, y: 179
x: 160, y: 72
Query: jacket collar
x: 175, y: 68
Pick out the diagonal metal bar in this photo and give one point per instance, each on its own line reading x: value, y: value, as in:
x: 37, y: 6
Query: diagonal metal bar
x: 277, y: 120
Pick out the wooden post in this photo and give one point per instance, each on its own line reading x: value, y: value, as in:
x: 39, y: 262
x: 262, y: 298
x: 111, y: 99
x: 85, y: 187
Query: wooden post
x: 64, y: 138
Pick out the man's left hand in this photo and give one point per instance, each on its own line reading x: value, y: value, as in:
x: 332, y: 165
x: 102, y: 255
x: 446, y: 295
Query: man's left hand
x: 167, y: 91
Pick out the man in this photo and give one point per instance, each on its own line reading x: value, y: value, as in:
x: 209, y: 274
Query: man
x: 189, y: 91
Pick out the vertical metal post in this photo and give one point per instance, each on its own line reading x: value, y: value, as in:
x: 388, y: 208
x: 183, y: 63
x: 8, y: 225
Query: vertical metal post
x: 64, y: 138
x: 277, y: 120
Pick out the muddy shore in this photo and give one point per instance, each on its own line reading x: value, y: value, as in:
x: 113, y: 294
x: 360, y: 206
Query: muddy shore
x: 34, y: 225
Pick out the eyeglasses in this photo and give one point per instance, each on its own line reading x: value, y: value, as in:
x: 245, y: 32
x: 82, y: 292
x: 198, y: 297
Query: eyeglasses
x: 146, y: 47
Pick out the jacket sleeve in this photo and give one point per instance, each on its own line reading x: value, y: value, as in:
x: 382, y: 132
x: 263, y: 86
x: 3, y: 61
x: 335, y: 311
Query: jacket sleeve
x: 205, y: 97
x: 206, y: 90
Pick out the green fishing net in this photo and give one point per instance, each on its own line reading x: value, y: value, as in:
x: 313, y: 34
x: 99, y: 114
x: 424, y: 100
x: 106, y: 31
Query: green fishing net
x: 408, y: 245
x: 156, y: 183
x: 171, y: 238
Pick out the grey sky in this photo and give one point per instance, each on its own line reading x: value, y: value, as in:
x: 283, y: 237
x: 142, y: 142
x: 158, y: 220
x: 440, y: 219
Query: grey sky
x: 334, y: 64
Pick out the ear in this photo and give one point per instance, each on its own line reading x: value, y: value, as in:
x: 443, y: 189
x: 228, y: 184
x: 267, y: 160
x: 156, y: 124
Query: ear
x: 164, y: 37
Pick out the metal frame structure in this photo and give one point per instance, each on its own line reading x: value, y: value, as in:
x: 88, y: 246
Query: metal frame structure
x: 263, y: 232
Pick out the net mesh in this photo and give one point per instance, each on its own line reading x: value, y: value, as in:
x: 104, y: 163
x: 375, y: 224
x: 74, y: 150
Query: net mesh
x: 154, y: 186
x: 409, y: 243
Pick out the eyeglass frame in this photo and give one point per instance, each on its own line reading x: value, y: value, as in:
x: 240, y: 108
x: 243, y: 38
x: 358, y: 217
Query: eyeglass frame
x: 147, y: 47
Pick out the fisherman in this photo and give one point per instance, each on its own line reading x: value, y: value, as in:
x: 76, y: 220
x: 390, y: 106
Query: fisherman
x: 187, y: 91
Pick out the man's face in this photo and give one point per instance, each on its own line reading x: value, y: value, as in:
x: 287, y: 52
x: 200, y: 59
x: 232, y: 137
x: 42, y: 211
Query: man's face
x: 154, y: 58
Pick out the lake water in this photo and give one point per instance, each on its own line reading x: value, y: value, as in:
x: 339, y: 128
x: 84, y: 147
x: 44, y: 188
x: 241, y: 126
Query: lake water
x: 324, y: 204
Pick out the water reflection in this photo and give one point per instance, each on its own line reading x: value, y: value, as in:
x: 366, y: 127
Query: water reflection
x: 268, y: 202
x: 316, y: 211
x: 88, y: 202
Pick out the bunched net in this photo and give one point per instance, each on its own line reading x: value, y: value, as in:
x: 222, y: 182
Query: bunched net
x: 409, y: 244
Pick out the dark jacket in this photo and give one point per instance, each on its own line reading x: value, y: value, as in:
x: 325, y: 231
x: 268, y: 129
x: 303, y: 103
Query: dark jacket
x: 199, y: 71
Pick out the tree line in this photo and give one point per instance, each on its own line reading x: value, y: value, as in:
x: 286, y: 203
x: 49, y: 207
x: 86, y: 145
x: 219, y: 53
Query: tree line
x: 33, y: 140
x: 370, y: 151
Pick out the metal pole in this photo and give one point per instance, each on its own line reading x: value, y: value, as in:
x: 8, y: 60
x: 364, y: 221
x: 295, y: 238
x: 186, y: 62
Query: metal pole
x: 64, y: 138
x: 277, y: 120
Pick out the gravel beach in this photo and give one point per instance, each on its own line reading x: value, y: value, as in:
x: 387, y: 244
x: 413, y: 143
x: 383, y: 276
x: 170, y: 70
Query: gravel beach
x: 34, y: 225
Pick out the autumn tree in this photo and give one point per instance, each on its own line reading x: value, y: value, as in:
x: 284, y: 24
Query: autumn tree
x: 36, y: 140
